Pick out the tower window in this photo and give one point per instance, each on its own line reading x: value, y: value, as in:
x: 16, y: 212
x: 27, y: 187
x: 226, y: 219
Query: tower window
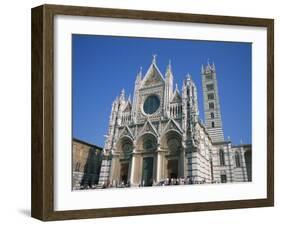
x: 237, y: 159
x: 210, y: 87
x: 213, y: 124
x: 77, y: 167
x: 222, y: 160
x: 211, y: 105
x: 211, y: 96
x: 223, y: 178
x: 212, y: 115
x: 209, y: 76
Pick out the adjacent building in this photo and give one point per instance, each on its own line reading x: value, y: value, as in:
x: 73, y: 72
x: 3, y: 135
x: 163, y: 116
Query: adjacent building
x: 86, y: 164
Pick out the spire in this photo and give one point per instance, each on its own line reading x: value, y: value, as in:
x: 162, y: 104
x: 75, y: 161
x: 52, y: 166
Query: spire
x: 140, y: 71
x: 139, y: 75
x: 169, y: 67
x: 129, y: 98
x: 202, y: 69
x: 176, y: 87
x: 208, y: 67
x: 183, y: 84
x: 154, y: 58
x: 188, y: 76
x: 213, y: 66
x: 122, y: 95
x: 169, y: 70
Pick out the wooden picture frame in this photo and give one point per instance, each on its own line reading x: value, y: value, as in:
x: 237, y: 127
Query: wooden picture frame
x: 43, y: 112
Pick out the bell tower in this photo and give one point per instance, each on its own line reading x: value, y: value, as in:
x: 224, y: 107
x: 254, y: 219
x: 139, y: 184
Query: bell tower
x: 212, y: 113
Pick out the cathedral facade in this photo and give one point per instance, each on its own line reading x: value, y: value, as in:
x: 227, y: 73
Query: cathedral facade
x: 158, y: 136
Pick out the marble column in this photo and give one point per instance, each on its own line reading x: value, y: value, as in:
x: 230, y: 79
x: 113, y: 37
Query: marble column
x: 243, y: 164
x: 114, y: 169
x: 132, y: 175
x: 181, y: 161
x: 229, y: 162
x: 160, y: 170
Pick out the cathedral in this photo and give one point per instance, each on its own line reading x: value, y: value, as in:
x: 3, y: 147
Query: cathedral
x: 157, y: 138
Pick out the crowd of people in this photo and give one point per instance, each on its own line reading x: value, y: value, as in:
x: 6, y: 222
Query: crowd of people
x: 164, y: 182
x: 180, y: 181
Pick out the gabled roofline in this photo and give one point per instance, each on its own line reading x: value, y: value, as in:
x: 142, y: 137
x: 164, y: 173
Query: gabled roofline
x: 174, y: 95
x: 147, y: 73
x: 172, y: 120
x: 86, y: 143
x: 127, y: 103
x: 130, y: 132
x: 153, y: 128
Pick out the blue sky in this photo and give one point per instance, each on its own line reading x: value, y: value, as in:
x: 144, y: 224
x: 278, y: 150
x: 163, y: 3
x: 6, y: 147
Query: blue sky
x: 103, y: 65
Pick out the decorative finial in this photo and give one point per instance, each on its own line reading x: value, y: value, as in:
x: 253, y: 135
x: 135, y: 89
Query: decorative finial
x: 188, y: 76
x: 139, y: 75
x: 129, y: 98
x: 183, y: 84
x: 122, y: 94
x: 213, y: 66
x: 177, y: 89
x: 140, y: 71
x: 202, y: 69
x: 228, y: 138
x: 208, y: 61
x: 154, y: 58
x: 169, y: 67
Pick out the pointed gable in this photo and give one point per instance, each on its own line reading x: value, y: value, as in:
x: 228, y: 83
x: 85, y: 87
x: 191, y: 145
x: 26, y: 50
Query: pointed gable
x: 172, y: 125
x: 148, y: 127
x: 176, y: 97
x: 152, y: 77
x: 127, y: 107
x: 126, y: 132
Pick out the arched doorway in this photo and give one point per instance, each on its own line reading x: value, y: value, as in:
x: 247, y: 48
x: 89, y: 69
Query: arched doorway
x: 126, y: 148
x: 171, y: 143
x: 147, y: 145
x: 248, y: 162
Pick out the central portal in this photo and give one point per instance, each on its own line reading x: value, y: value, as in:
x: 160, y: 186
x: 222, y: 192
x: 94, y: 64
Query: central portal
x: 147, y: 171
x: 173, y: 168
x: 124, y: 172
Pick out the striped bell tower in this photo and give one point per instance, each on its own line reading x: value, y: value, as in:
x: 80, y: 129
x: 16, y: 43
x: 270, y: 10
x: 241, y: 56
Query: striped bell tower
x: 212, y: 113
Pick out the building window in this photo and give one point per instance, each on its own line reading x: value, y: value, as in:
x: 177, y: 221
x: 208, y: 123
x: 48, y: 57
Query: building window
x: 149, y: 144
x: 223, y: 178
x: 210, y: 87
x: 213, y: 124
x: 211, y: 105
x: 151, y: 104
x: 77, y: 167
x: 222, y: 159
x: 211, y: 96
x: 127, y: 148
x: 212, y: 115
x: 209, y: 76
x: 237, y: 159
